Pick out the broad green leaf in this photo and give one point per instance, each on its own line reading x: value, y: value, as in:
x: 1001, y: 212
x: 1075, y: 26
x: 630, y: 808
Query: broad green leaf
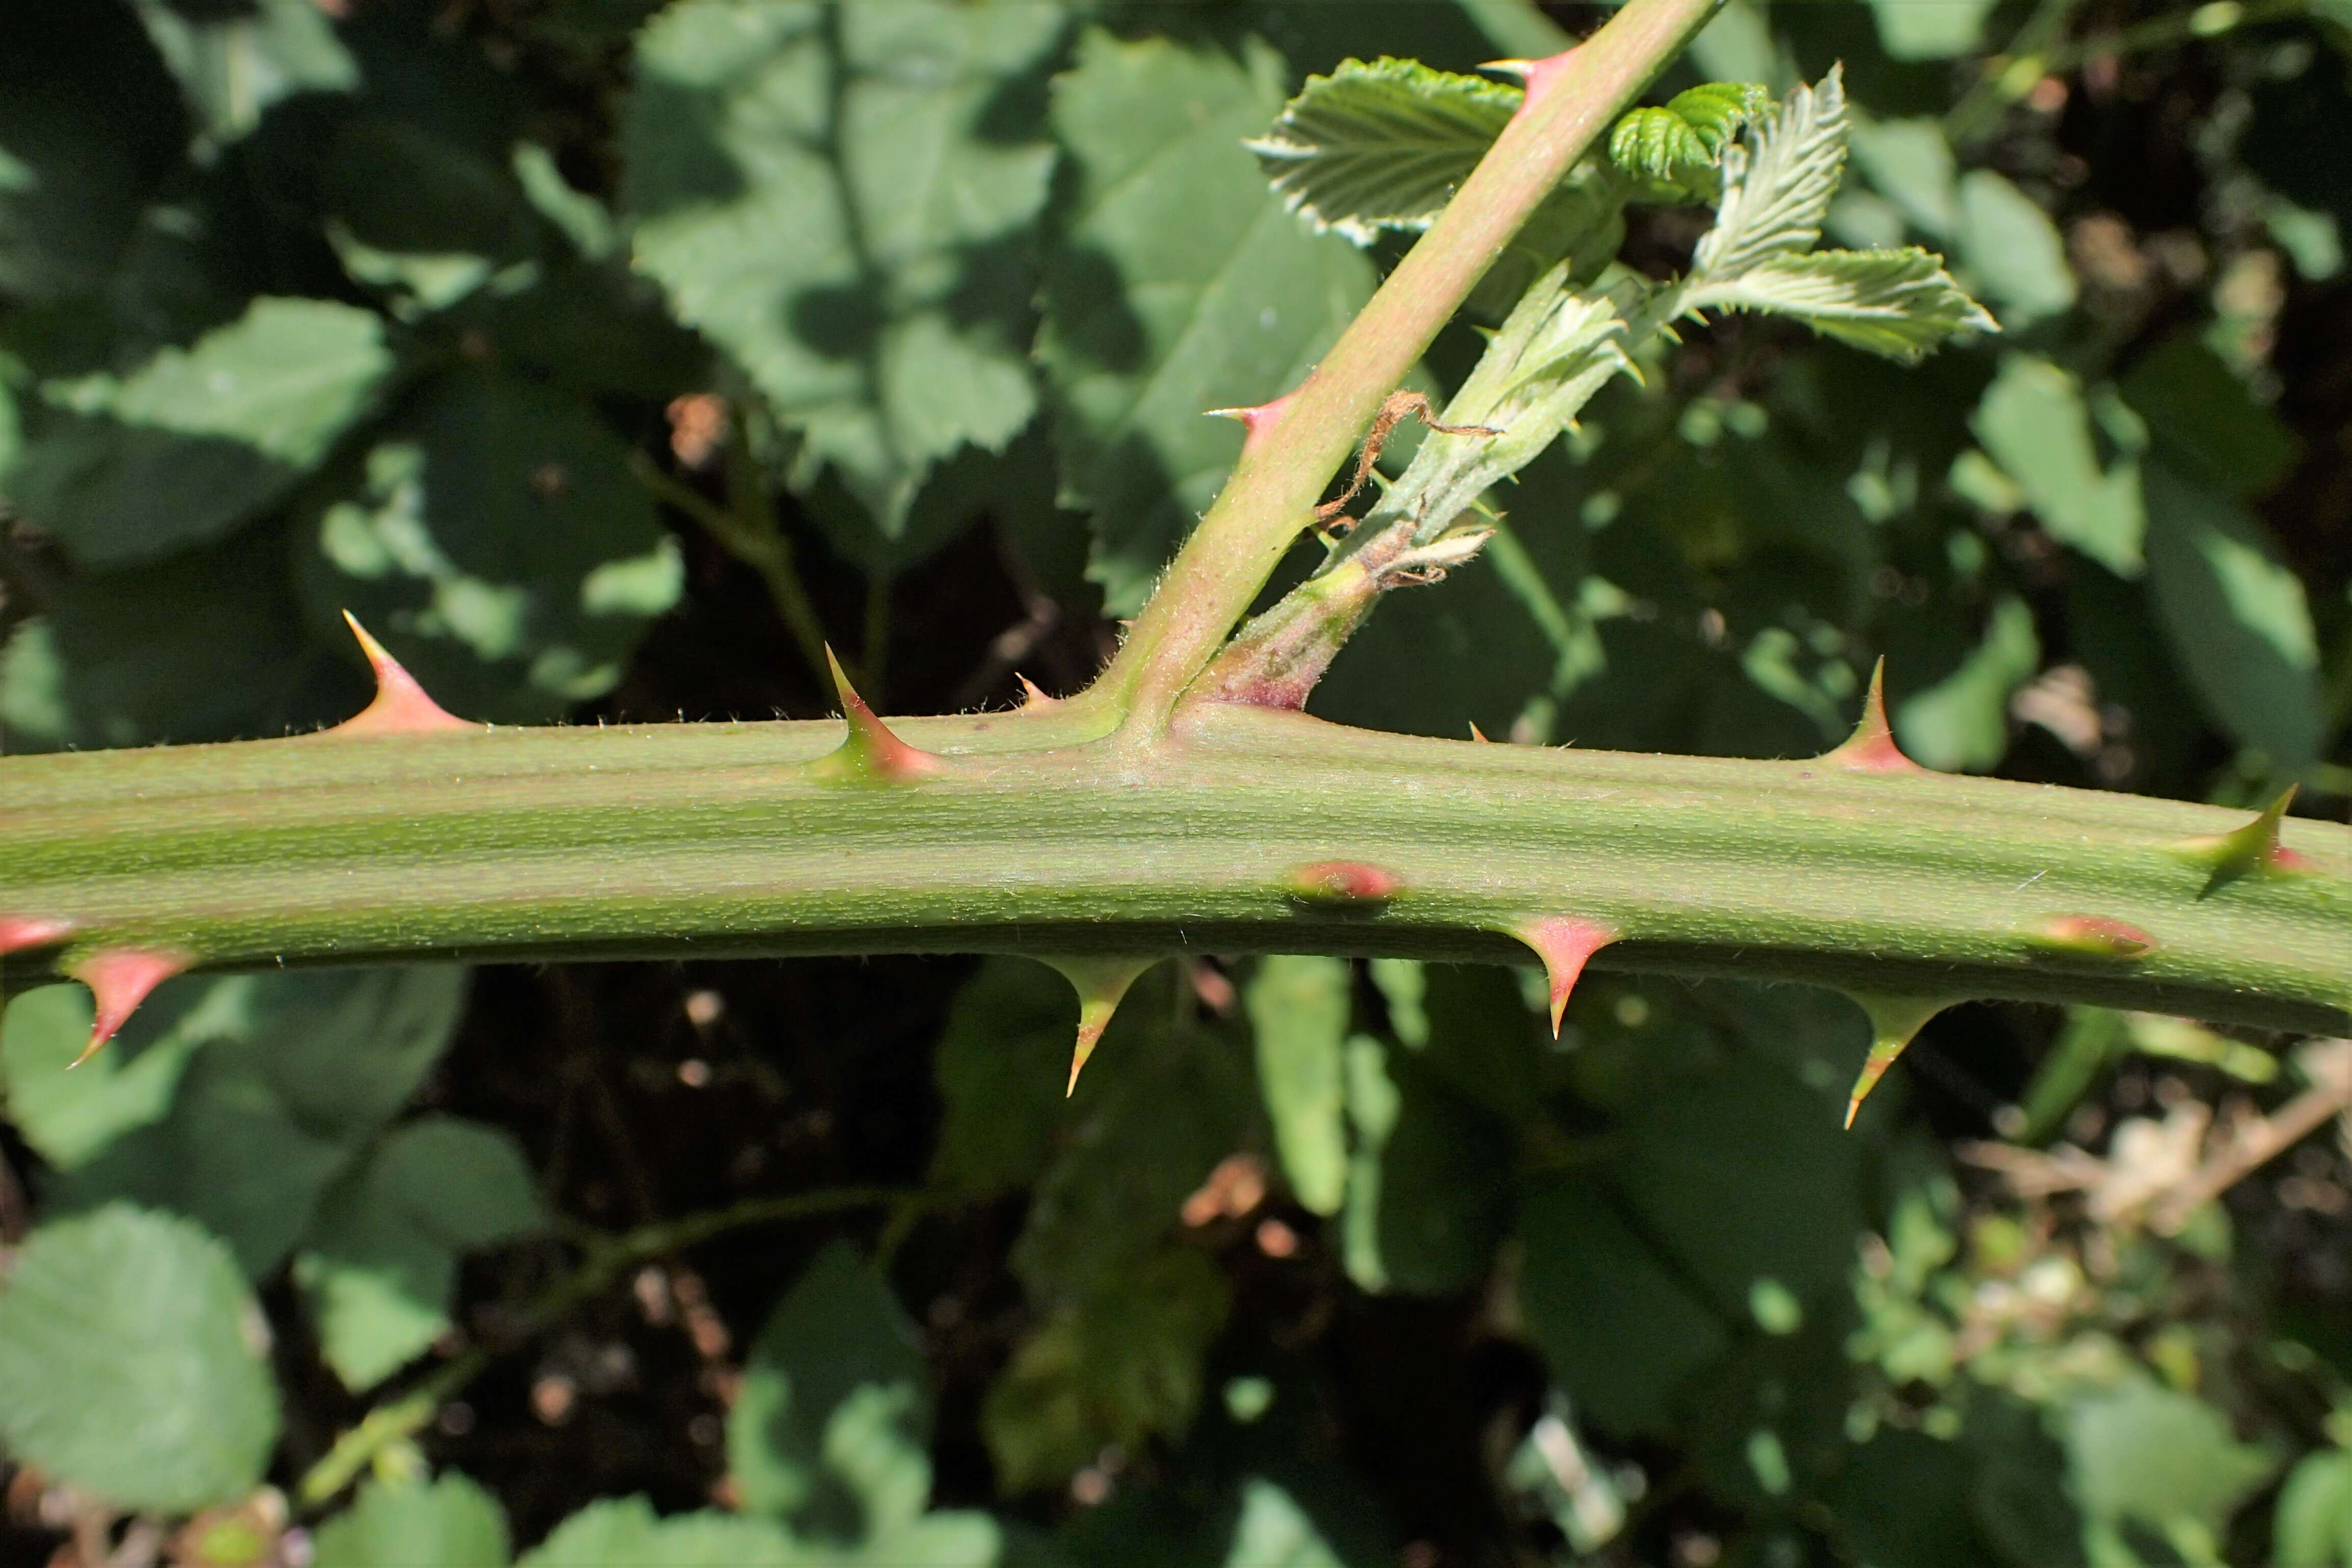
x: 450, y: 1522
x: 1119, y: 1365
x: 2235, y: 617
x: 1383, y: 145
x: 840, y: 197
x: 2034, y: 423
x: 2314, y: 1525
x: 124, y: 469
x: 411, y: 215
x: 380, y: 1272
x: 1777, y: 185
x: 835, y: 1366
x: 68, y: 1117
x: 1910, y: 163
x: 624, y: 1532
x: 233, y: 63
x: 495, y: 540
x: 1158, y: 1108
x: 1180, y: 285
x: 1900, y: 304
x: 289, y: 1078
x: 1930, y: 30
x: 1001, y: 1065
x: 1961, y: 722
x: 206, y: 646
x: 1274, y: 1531
x: 1299, y: 1008
x: 90, y: 126
x: 1619, y: 1331
x: 2206, y: 421
x: 132, y: 1363
x: 2012, y: 251
x: 2150, y: 1455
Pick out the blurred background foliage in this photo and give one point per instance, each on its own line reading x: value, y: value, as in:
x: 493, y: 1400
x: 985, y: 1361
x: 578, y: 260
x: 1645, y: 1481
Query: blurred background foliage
x: 605, y: 357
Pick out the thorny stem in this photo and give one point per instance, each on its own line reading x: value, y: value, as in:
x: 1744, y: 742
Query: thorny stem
x: 608, y: 1258
x: 1283, y: 471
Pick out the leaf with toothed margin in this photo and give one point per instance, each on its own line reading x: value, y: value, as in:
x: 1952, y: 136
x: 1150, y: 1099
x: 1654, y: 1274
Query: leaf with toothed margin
x: 132, y: 1363
x: 841, y: 197
x: 449, y: 1521
x: 124, y: 469
x: 1680, y: 144
x: 263, y: 1090
x: 495, y: 539
x: 1180, y: 285
x: 1382, y: 144
x: 1899, y: 304
x: 1777, y: 185
x: 208, y: 646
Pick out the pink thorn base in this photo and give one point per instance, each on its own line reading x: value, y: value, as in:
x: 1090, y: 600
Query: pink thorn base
x: 401, y: 706
x: 1258, y: 420
x: 1871, y: 749
x: 1538, y: 75
x: 120, y: 978
x: 17, y: 933
x: 882, y: 752
x: 1564, y: 943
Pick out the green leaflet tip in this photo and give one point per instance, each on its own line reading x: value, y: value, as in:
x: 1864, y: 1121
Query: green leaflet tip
x: 1871, y: 749
x: 870, y: 752
x: 1894, y: 1023
x: 401, y: 706
x: 1101, y: 984
x: 1566, y: 944
x: 2252, y: 848
x: 120, y: 978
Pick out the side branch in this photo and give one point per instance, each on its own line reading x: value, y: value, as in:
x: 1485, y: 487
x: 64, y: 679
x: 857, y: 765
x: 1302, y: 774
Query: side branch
x: 1291, y: 457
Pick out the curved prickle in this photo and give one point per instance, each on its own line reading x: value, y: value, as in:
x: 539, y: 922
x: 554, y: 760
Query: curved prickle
x: 1871, y: 749
x: 870, y: 752
x: 1565, y: 944
x: 120, y: 978
x: 2252, y: 850
x: 1894, y: 1023
x: 401, y: 706
x: 1101, y: 984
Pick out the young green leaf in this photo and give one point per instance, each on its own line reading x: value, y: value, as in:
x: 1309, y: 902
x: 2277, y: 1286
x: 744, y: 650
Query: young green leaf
x: 1298, y: 1012
x: 1777, y: 187
x: 1900, y: 304
x: 450, y: 1523
x: 1382, y: 145
x: 1680, y: 144
x: 2035, y: 423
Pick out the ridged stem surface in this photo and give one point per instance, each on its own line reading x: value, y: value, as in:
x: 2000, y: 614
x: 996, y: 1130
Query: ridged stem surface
x: 705, y: 840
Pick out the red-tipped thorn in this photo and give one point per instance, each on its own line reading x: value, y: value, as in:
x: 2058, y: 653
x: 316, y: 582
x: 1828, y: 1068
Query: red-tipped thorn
x: 120, y: 978
x: 1031, y: 694
x: 870, y: 752
x: 401, y: 706
x: 1342, y: 884
x: 1564, y: 943
x: 1257, y: 420
x: 1100, y: 984
x: 2253, y: 848
x: 1477, y: 734
x: 1536, y: 75
x: 1894, y: 1023
x: 18, y: 932
x: 2092, y: 936
x: 1871, y: 749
